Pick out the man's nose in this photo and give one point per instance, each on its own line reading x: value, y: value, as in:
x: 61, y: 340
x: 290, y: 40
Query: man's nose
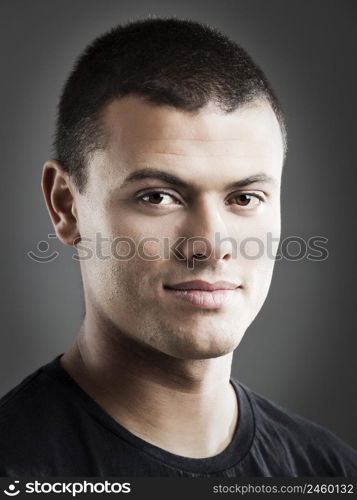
x: 205, y: 235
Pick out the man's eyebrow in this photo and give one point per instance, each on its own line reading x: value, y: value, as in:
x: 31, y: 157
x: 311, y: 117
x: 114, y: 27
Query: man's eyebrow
x: 263, y: 178
x: 151, y: 173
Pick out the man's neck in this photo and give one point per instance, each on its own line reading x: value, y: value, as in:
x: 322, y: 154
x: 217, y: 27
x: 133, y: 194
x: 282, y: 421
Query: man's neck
x: 186, y: 407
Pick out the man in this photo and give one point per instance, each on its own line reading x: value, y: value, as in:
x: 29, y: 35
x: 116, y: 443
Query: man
x: 170, y: 146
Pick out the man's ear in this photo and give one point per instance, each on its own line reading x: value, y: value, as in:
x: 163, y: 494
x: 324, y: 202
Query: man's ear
x: 58, y: 193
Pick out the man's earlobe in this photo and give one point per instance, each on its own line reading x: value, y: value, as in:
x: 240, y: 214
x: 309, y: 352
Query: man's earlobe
x: 58, y: 193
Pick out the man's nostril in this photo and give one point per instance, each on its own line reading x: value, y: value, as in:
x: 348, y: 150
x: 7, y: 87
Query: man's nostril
x: 199, y: 256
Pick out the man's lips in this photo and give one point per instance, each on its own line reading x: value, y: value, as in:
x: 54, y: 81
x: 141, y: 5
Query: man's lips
x: 204, y: 294
x: 203, y: 285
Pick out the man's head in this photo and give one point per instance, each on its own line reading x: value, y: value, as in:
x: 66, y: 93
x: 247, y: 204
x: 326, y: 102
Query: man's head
x: 181, y: 98
x: 179, y: 63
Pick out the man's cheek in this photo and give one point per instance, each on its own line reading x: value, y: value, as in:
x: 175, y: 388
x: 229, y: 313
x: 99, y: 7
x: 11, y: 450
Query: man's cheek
x: 150, y: 249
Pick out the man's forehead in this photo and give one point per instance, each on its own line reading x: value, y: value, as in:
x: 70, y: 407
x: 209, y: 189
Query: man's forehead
x: 225, y: 149
x: 134, y: 120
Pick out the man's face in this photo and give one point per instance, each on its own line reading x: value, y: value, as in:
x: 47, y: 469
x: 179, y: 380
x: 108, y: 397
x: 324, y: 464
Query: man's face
x: 209, y: 151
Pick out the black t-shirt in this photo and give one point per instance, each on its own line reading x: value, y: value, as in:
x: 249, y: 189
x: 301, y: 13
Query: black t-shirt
x: 49, y: 426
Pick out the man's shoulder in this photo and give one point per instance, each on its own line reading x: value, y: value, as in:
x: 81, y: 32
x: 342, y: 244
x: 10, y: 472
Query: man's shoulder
x: 24, y: 392
x: 272, y: 415
x: 28, y: 403
x: 38, y: 423
x: 299, y: 438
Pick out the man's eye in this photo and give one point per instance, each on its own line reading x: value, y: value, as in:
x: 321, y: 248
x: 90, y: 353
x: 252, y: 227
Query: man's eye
x: 250, y: 200
x: 156, y: 198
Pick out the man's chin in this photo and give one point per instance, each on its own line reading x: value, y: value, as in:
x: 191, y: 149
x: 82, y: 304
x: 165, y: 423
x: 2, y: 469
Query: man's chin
x: 194, y: 350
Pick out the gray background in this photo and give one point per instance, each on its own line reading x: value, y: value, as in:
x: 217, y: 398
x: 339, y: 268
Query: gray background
x: 301, y: 350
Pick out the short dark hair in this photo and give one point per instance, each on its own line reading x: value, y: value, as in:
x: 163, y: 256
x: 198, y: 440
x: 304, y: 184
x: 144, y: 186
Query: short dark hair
x: 167, y: 61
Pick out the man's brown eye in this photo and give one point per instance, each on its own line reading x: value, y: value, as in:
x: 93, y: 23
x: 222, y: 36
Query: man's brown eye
x: 156, y: 198
x: 247, y: 200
